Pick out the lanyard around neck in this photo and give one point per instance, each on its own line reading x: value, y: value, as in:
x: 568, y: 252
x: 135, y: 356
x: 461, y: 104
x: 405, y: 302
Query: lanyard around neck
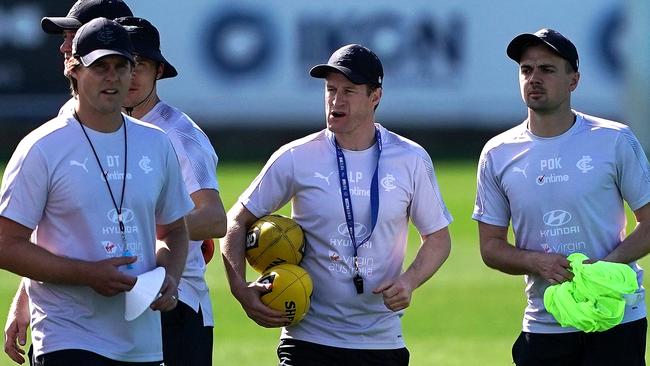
x: 118, y: 209
x: 347, y: 199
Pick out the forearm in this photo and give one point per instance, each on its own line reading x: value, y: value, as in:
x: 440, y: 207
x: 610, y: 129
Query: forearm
x: 433, y: 252
x: 208, y: 219
x: 634, y: 247
x: 25, y: 259
x: 232, y: 253
x: 233, y: 247
x: 505, y: 257
x: 206, y: 223
x: 20, y: 300
x: 171, y: 250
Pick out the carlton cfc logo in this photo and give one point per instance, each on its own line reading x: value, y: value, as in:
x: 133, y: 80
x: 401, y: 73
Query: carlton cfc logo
x: 388, y: 182
x: 105, y: 35
x: 145, y: 164
x: 584, y: 164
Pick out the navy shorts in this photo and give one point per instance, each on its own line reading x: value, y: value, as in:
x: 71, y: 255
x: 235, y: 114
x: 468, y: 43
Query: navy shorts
x: 292, y: 352
x: 622, y: 345
x: 186, y: 341
x: 69, y: 357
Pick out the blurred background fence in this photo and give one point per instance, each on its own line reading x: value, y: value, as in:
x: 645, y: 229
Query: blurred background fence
x: 244, y: 64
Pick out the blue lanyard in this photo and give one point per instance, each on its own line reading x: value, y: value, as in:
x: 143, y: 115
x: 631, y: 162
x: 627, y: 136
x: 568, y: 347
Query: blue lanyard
x: 347, y: 203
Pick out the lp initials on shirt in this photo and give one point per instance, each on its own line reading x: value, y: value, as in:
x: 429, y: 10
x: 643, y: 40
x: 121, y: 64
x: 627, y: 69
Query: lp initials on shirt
x: 354, y: 177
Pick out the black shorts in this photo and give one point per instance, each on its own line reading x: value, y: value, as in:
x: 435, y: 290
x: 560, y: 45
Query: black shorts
x: 292, y: 352
x: 186, y: 341
x: 68, y: 357
x: 622, y: 345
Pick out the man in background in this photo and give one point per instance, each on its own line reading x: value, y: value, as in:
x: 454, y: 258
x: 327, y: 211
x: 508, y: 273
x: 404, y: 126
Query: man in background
x: 79, y: 14
x: 187, y: 330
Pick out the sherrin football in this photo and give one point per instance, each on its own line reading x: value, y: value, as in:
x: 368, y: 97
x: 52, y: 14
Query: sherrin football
x: 274, y: 240
x: 291, y: 288
x: 207, y: 249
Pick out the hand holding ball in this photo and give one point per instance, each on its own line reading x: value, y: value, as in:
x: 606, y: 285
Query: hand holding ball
x: 291, y: 288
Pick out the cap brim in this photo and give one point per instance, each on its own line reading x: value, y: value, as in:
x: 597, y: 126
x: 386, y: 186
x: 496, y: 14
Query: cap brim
x: 321, y: 71
x: 516, y: 46
x: 95, y: 55
x: 55, y: 25
x: 169, y: 71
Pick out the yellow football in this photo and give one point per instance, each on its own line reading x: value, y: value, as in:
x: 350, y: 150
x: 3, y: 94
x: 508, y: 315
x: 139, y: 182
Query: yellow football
x: 274, y: 240
x: 291, y: 288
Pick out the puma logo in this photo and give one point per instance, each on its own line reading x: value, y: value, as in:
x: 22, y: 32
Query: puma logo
x: 517, y: 169
x: 325, y: 178
x: 83, y: 165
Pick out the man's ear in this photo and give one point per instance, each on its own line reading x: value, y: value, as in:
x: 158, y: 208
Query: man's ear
x: 70, y: 68
x: 575, y: 78
x: 376, y: 96
x: 159, y: 72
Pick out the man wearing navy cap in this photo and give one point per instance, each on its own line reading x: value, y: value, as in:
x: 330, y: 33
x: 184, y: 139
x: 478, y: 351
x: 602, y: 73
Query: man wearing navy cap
x: 79, y: 14
x: 187, y: 330
x: 353, y: 187
x: 95, y: 198
x: 562, y: 178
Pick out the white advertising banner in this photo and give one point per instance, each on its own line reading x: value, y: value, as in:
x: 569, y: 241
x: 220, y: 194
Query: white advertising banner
x: 244, y: 61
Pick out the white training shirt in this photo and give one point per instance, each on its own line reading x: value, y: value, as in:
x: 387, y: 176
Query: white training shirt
x: 68, y: 107
x: 198, y: 162
x: 564, y: 194
x: 305, y: 171
x: 53, y: 184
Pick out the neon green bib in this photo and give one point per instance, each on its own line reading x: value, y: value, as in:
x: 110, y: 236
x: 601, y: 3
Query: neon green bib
x: 593, y: 301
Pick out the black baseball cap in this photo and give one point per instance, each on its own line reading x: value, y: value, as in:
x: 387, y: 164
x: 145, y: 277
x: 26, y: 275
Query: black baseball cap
x: 101, y: 37
x: 552, y: 38
x: 84, y: 11
x: 146, y: 42
x: 359, y: 64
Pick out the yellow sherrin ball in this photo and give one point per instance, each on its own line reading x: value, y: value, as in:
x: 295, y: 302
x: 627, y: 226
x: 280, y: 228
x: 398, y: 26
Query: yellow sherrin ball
x: 274, y: 240
x: 291, y: 288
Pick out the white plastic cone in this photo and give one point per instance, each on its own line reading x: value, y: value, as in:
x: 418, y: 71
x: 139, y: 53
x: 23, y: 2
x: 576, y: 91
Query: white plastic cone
x: 144, y: 292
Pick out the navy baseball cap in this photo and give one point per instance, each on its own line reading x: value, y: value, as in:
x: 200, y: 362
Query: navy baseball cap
x: 359, y: 64
x: 551, y: 38
x: 84, y: 11
x: 101, y: 37
x: 146, y: 42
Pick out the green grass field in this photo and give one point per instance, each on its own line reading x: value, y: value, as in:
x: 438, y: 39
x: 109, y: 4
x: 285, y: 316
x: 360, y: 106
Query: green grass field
x: 467, y: 314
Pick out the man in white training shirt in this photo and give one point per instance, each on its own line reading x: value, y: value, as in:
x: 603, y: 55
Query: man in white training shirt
x: 355, y: 311
x: 79, y: 14
x: 189, y: 325
x: 96, y: 207
x: 187, y: 330
x: 562, y: 177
